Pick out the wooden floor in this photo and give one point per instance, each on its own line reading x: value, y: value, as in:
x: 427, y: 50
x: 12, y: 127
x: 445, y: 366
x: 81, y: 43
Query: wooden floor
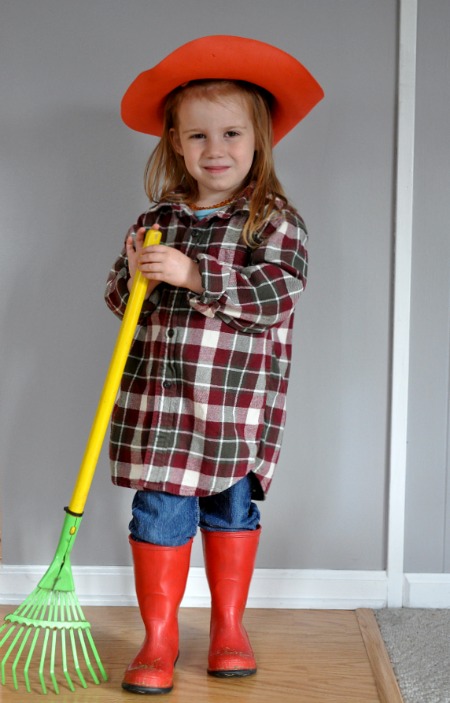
x: 304, y: 656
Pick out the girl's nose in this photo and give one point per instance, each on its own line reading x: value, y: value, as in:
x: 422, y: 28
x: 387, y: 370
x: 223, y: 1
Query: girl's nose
x: 214, y: 147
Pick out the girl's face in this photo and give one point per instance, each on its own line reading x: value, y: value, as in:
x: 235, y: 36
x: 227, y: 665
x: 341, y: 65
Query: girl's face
x: 217, y: 142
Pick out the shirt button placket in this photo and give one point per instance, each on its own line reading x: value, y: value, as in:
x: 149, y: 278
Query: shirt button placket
x: 168, y: 382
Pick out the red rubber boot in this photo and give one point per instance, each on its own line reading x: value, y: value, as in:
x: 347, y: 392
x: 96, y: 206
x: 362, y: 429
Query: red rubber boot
x: 160, y: 576
x: 230, y: 561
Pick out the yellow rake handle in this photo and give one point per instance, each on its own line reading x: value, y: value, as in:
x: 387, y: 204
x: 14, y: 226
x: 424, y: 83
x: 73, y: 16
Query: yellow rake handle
x: 111, y: 385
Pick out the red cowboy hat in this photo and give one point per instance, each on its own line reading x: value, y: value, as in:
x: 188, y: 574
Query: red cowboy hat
x: 293, y: 88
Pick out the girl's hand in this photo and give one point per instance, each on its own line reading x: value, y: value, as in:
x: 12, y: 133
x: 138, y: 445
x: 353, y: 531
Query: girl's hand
x: 162, y: 263
x: 134, y: 247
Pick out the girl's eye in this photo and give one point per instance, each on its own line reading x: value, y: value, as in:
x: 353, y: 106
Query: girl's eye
x: 197, y: 136
x: 231, y: 133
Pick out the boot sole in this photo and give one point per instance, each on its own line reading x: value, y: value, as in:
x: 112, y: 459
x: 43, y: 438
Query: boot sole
x: 232, y: 673
x: 134, y: 688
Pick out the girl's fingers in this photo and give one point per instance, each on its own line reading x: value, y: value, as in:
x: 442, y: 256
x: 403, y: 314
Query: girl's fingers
x: 152, y: 254
x: 139, y: 241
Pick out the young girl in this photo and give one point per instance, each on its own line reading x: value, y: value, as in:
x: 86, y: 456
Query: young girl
x: 197, y: 424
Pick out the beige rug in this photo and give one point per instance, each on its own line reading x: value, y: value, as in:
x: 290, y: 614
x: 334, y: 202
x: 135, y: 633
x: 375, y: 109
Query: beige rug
x: 418, y: 644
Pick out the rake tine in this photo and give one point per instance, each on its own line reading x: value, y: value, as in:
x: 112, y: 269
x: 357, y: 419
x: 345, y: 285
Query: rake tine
x: 68, y: 615
x: 75, y: 660
x: 19, y: 654
x: 8, y: 653
x: 12, y: 627
x: 87, y: 659
x: 5, y: 639
x: 3, y: 627
x: 78, y: 616
x: 42, y: 663
x: 52, y: 663
x: 30, y: 655
x: 96, y: 655
x: 64, y: 615
x: 31, y: 606
x: 75, y: 613
x: 64, y: 661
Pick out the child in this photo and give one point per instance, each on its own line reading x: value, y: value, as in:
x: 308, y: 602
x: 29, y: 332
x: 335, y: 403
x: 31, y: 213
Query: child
x: 197, y: 424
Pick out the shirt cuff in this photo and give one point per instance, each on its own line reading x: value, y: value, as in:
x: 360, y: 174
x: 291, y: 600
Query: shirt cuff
x: 215, y: 277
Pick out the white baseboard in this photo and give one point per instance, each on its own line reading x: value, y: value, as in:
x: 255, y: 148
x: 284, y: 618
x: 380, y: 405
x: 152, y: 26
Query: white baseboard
x: 426, y: 591
x: 271, y: 588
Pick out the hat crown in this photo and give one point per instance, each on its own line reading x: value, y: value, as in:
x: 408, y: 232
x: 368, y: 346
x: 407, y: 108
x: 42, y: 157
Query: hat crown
x: 294, y: 90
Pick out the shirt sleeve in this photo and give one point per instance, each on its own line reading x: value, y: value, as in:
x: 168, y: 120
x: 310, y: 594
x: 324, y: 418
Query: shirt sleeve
x: 264, y: 293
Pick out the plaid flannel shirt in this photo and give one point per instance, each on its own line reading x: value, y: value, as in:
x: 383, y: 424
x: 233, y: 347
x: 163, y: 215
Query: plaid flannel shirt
x: 202, y: 399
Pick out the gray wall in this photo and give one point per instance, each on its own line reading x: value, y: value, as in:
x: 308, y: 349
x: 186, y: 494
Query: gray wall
x: 428, y: 487
x: 71, y: 183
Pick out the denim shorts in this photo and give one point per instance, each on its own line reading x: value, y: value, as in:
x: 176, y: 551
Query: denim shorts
x: 171, y: 520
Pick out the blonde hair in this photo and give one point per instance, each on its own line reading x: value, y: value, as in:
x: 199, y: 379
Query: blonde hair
x: 166, y: 177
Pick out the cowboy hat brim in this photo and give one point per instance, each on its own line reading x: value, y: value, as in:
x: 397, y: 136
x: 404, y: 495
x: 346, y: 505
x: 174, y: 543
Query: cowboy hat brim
x: 295, y: 91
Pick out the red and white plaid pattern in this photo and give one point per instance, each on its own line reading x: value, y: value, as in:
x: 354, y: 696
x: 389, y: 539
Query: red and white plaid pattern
x: 202, y: 399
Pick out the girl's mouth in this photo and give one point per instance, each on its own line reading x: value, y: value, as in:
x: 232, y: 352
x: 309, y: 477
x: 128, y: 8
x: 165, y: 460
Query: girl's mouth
x: 216, y: 169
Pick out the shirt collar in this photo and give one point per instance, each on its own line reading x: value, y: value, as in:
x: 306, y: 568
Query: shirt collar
x: 241, y: 204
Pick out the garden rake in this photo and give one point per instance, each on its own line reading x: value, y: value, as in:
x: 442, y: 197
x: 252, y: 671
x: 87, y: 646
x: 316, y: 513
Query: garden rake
x: 51, y: 616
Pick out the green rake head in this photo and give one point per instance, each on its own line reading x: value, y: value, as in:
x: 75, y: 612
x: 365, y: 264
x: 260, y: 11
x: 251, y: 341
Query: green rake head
x: 50, y: 624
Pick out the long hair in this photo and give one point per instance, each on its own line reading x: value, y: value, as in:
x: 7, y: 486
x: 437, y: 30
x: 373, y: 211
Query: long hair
x: 166, y: 177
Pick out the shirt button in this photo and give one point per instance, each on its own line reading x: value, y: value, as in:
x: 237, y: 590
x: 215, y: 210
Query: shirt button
x: 195, y: 233
x: 170, y: 332
x: 167, y: 384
